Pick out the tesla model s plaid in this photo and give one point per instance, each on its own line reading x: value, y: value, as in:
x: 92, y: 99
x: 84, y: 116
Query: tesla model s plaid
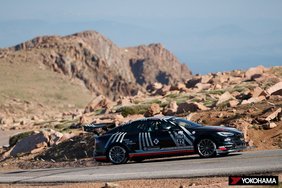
x: 163, y: 137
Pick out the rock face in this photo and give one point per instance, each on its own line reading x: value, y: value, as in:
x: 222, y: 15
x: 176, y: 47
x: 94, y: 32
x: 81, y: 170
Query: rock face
x: 103, y: 67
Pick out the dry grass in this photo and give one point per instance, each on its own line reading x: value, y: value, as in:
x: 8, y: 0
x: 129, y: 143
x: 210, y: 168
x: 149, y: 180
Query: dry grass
x: 31, y: 82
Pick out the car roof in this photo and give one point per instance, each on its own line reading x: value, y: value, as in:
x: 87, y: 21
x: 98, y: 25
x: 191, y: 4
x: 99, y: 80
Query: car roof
x: 151, y: 118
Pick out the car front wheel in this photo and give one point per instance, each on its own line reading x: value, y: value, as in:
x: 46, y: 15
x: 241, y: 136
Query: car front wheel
x: 118, y: 154
x: 206, y: 148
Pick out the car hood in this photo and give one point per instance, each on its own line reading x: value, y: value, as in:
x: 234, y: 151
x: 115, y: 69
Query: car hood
x: 215, y: 129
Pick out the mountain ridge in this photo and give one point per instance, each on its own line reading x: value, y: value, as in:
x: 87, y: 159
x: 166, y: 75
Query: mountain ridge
x: 101, y: 65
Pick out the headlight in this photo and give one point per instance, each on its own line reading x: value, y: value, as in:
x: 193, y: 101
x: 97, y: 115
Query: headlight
x: 225, y: 134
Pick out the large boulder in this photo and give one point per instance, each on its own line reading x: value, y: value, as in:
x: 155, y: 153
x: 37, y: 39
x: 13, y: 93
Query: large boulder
x: 30, y: 143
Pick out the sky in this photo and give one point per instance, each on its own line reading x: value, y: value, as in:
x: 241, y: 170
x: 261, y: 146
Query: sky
x: 207, y: 35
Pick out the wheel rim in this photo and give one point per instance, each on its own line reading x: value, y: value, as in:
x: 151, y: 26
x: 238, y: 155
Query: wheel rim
x: 117, y: 154
x: 206, y: 147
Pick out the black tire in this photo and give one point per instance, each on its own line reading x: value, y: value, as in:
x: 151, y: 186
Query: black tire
x: 117, y: 154
x: 206, y: 147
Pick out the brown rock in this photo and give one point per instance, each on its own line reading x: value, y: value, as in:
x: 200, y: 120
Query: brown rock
x: 55, y: 137
x: 224, y: 97
x: 273, y: 115
x: 193, y: 81
x: 275, y: 90
x: 97, y: 103
x: 190, y: 107
x: 153, y: 110
x: 125, y: 101
x: 157, y: 86
x: 178, y: 86
x: 163, y: 91
x: 253, y: 100
x: 30, y: 143
x: 203, y: 86
x: 254, y: 72
x: 111, y: 185
x: 206, y: 78
x: 269, y: 125
x: 258, y: 92
x: 171, y: 109
x: 233, y: 103
x: 66, y: 136
x: 84, y: 119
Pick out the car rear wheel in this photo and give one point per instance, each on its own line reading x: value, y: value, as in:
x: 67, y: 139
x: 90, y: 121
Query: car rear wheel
x: 206, y: 148
x: 118, y: 154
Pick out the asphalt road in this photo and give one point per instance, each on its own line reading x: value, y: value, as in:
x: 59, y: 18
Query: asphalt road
x: 191, y: 166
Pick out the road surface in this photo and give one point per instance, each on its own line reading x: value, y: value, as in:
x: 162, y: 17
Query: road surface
x: 191, y: 166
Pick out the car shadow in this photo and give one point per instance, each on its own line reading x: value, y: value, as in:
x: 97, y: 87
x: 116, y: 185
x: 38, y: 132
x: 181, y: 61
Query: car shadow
x: 183, y: 158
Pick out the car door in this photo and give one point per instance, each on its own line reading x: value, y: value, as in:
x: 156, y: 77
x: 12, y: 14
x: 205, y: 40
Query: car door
x: 147, y: 138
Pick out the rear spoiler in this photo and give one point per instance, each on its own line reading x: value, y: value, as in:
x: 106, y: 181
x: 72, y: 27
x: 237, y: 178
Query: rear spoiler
x: 104, y: 126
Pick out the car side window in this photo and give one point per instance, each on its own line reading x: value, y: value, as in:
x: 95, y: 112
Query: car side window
x: 152, y: 125
x: 137, y: 126
x: 165, y: 125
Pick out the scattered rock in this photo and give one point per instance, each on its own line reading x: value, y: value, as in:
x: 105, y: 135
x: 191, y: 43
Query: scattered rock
x: 85, y: 119
x: 258, y: 92
x: 253, y: 100
x: 193, y: 81
x: 269, y: 125
x: 190, y: 107
x: 273, y: 115
x: 275, y: 90
x: 233, y: 103
x: 157, y: 86
x: 254, y: 72
x: 97, y: 103
x: 224, y: 97
x: 110, y: 185
x: 125, y: 101
x: 170, y: 109
x: 153, y: 110
x: 179, y: 86
x: 203, y: 86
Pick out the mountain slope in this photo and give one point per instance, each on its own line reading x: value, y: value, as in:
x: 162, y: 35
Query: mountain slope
x: 103, y: 67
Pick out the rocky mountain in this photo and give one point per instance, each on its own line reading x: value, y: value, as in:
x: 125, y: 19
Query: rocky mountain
x: 102, y: 66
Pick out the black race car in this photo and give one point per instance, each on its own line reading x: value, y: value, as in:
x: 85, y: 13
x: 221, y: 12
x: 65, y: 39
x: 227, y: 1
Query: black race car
x: 163, y: 137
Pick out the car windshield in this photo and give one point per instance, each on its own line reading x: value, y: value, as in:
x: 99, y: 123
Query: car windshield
x: 184, y: 122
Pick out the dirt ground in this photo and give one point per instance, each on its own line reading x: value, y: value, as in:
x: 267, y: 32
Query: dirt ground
x: 156, y: 183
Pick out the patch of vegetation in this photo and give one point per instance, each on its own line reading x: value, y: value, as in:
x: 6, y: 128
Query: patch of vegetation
x: 276, y: 71
x: 237, y: 88
x: 172, y: 95
x: 215, y: 92
x: 134, y: 109
x: 64, y: 126
x: 209, y: 103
